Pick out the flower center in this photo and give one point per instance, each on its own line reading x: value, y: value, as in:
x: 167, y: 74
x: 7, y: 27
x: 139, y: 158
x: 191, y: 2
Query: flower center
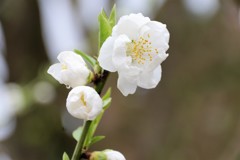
x: 64, y: 66
x: 141, y: 50
x: 83, y: 100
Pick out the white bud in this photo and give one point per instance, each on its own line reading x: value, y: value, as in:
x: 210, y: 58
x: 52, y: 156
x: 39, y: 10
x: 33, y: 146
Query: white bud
x: 84, y: 102
x: 114, y: 155
x: 71, y: 71
x: 98, y: 155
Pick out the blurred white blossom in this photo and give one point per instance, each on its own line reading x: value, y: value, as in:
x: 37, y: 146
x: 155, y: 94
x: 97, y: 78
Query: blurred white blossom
x: 7, y: 129
x: 88, y: 11
x: 147, y: 7
x: 44, y: 92
x: 71, y: 71
x: 17, y: 97
x: 84, y: 102
x: 8, y: 110
x: 135, y: 50
x: 4, y: 156
x: 202, y: 8
x: 60, y: 27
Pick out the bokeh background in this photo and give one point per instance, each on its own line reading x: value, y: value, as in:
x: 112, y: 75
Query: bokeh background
x: 193, y: 114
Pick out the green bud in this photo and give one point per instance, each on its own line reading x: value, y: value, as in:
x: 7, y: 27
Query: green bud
x: 90, y: 77
x: 97, y: 69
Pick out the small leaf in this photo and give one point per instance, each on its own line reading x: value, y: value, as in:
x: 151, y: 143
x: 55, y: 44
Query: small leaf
x: 112, y: 17
x: 107, y: 94
x: 86, y: 57
x: 106, y: 103
x: 65, y: 156
x: 77, y: 133
x: 105, y: 29
x: 96, y: 139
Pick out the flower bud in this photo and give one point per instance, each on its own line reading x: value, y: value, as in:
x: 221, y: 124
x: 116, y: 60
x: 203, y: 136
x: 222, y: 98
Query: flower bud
x: 114, y: 155
x: 71, y: 71
x: 84, y: 102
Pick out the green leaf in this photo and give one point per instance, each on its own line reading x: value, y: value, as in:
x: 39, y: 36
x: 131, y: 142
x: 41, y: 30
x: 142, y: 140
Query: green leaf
x: 77, y: 133
x: 105, y: 29
x: 106, y: 103
x: 65, y: 156
x: 96, y: 139
x: 103, y: 12
x: 107, y: 94
x: 112, y: 17
x: 86, y: 57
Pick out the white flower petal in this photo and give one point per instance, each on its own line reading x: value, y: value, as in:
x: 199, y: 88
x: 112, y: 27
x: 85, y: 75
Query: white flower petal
x: 130, y: 25
x: 150, y: 80
x: 76, y: 76
x: 156, y: 61
x: 70, y: 57
x: 114, y: 155
x: 120, y: 58
x: 105, y: 55
x: 125, y: 86
x: 159, y: 35
x: 139, y: 19
x: 55, y: 71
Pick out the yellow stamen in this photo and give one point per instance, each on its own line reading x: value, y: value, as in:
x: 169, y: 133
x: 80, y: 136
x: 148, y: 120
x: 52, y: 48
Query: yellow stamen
x: 64, y: 66
x: 141, y: 50
x: 83, y: 100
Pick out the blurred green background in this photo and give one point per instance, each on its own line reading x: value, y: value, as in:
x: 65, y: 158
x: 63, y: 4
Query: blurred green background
x: 193, y: 114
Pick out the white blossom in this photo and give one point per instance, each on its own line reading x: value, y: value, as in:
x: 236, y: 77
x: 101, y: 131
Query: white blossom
x: 61, y: 27
x: 84, y: 102
x: 114, y: 155
x: 8, y: 111
x: 135, y: 50
x: 71, y: 71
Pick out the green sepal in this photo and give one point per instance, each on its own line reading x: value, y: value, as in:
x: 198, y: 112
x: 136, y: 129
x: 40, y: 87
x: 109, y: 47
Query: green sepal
x: 96, y: 139
x: 86, y: 57
x: 65, y: 156
x: 77, y: 133
x: 97, y: 155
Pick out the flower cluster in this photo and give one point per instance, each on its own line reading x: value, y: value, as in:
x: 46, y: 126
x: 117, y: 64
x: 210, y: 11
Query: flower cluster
x: 135, y: 48
x: 83, y: 102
